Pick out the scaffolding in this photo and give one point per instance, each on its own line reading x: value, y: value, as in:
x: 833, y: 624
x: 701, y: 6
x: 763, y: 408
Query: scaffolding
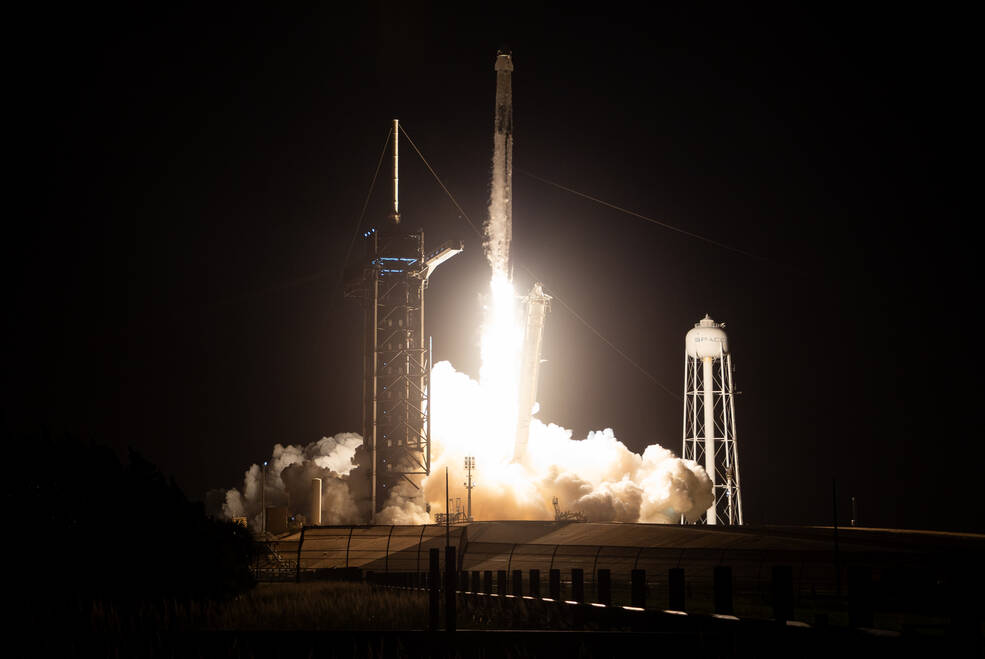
x: 396, y: 356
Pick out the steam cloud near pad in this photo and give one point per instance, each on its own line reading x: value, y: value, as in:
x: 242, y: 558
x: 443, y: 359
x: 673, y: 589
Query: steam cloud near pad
x: 597, y: 476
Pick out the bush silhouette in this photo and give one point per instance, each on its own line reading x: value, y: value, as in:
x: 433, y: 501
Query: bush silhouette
x: 123, y: 532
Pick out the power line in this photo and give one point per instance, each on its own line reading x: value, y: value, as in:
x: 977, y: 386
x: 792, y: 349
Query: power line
x: 438, y: 179
x: 362, y: 213
x: 599, y: 334
x: 651, y: 220
x: 318, y: 274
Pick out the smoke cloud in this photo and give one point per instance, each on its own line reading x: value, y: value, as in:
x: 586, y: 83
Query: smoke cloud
x: 597, y: 476
x: 290, y: 470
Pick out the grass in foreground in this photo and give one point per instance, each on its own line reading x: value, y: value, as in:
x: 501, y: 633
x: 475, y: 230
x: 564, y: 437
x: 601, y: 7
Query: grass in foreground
x: 274, y: 607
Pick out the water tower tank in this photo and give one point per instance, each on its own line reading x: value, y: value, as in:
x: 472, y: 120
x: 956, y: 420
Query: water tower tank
x: 707, y: 339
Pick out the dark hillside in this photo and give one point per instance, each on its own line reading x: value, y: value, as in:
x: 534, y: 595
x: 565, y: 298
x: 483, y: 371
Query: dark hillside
x: 123, y: 532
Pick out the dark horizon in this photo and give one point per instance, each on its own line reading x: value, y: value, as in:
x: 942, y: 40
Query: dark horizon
x: 194, y: 181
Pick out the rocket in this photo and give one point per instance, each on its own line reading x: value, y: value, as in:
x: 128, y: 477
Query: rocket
x: 499, y: 231
x: 499, y: 234
x: 504, y: 105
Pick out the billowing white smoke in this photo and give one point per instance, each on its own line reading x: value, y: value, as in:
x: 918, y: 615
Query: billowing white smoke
x: 403, y: 506
x: 288, y: 481
x: 597, y: 476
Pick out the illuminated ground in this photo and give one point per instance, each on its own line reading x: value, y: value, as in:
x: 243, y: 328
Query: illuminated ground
x: 524, y: 545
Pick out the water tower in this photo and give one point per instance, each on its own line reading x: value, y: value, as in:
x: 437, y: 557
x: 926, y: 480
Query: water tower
x: 709, y: 417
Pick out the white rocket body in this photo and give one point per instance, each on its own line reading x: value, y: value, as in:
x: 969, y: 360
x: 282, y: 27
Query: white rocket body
x: 499, y: 229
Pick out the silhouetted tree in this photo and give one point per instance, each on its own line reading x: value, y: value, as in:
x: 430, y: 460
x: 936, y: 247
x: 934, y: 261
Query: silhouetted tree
x: 125, y: 532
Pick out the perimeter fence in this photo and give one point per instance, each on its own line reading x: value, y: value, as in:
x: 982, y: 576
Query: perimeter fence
x: 899, y: 583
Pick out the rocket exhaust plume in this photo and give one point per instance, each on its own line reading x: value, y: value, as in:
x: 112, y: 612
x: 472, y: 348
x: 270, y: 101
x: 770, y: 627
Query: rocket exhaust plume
x: 597, y: 476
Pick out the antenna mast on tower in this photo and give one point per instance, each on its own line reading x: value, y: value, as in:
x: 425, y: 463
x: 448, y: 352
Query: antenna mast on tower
x: 396, y: 171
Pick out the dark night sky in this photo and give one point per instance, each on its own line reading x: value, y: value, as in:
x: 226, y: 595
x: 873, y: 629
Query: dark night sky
x: 193, y: 178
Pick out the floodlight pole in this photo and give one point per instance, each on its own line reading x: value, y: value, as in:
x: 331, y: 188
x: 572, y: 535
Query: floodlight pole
x: 447, y: 513
x: 469, y: 466
x: 263, y: 499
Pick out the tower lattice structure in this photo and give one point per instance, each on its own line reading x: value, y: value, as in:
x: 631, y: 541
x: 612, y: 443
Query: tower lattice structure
x: 396, y: 352
x: 709, y: 418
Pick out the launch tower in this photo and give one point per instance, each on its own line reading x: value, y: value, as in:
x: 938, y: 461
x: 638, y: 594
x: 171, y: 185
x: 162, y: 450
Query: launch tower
x: 396, y: 353
x: 709, y: 418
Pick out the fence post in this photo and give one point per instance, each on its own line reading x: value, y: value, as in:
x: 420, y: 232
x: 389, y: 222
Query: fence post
x: 300, y: 543
x: 860, y: 596
x: 463, y: 580
x: 595, y: 574
x: 604, y: 587
x: 475, y: 581
x: 487, y: 582
x: 501, y: 582
x: 420, y: 541
x: 723, y: 589
x: 638, y: 590
x: 963, y: 633
x: 386, y: 557
x: 578, y: 584
x: 782, y: 593
x: 451, y: 575
x: 518, y: 582
x: 675, y: 586
x: 535, y: 583
x: 434, y: 578
x: 554, y: 584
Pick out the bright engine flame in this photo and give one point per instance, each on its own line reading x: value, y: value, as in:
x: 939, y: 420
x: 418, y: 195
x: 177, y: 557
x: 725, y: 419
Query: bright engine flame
x: 502, y: 337
x: 597, y: 476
